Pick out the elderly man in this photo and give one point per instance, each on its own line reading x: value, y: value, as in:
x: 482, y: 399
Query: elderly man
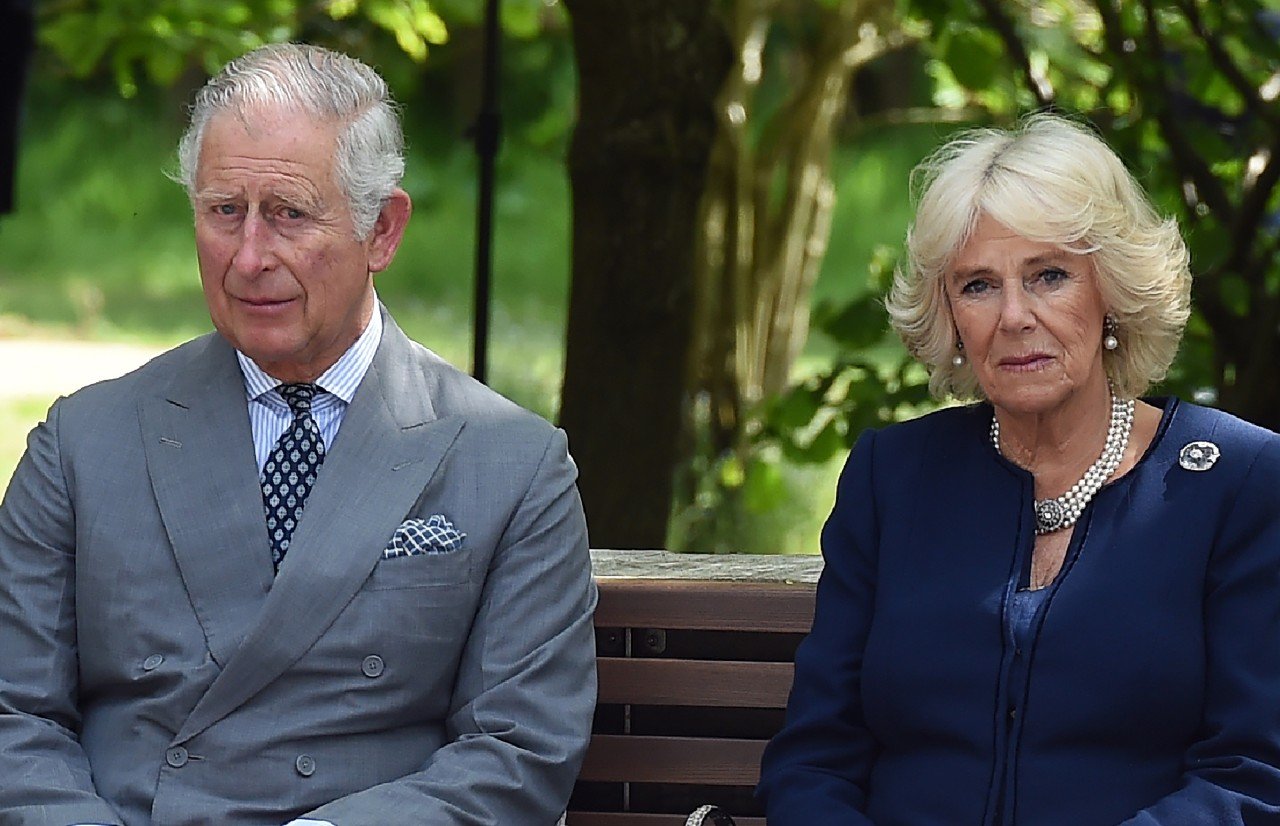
x: 297, y: 569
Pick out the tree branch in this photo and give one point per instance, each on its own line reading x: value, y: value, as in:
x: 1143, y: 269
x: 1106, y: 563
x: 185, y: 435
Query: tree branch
x: 1253, y: 208
x: 1004, y: 27
x: 1190, y: 165
x: 1228, y: 67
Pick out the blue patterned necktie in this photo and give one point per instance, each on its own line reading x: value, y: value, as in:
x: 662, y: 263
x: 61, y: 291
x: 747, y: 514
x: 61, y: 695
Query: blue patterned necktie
x: 291, y: 469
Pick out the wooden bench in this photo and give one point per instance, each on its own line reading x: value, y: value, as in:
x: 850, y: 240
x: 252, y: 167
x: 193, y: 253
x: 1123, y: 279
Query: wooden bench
x: 695, y: 662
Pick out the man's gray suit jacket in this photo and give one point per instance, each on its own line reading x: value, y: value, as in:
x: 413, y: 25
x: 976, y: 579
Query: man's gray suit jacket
x: 154, y: 671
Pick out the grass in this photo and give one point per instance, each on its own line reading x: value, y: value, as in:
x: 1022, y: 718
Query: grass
x: 17, y: 416
x: 101, y: 249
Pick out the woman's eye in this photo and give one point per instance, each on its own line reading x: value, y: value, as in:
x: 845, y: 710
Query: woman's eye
x: 974, y: 287
x: 1053, y: 275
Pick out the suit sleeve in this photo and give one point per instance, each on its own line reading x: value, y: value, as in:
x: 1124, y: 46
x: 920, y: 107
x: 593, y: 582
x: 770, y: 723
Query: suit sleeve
x: 45, y: 774
x: 526, y: 688
x: 1232, y: 773
x: 815, y: 770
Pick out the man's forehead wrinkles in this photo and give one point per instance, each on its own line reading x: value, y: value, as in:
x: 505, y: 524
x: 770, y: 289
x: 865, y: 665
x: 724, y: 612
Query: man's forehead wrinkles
x: 262, y: 179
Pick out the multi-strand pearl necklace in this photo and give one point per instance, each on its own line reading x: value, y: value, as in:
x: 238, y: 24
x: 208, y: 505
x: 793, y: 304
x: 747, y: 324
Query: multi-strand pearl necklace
x: 1063, y: 511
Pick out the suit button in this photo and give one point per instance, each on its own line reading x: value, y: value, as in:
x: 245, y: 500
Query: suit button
x: 176, y: 757
x: 153, y: 662
x: 372, y: 666
x: 305, y: 765
x: 1013, y: 713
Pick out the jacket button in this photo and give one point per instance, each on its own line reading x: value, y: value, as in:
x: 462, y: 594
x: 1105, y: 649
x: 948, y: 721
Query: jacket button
x: 372, y: 666
x: 153, y: 662
x: 176, y: 757
x: 305, y: 765
x: 1013, y: 713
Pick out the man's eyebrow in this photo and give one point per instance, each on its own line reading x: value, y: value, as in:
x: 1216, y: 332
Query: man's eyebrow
x: 301, y: 198
x: 206, y: 195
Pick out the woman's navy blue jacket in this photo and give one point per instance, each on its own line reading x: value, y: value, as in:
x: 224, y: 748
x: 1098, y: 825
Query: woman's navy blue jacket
x: 1152, y: 687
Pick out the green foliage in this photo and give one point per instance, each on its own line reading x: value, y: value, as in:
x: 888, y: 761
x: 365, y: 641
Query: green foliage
x: 17, y: 416
x: 866, y: 378
x: 1186, y: 91
x: 522, y: 19
x: 157, y: 40
x: 101, y: 245
x: 870, y: 383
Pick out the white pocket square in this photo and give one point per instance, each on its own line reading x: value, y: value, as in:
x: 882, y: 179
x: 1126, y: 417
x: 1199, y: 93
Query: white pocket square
x: 433, y: 535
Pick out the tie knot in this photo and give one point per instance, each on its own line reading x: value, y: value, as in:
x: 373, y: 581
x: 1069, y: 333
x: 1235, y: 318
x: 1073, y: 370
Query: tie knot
x: 298, y: 396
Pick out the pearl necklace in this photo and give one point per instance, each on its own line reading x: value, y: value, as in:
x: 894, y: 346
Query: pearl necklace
x: 1062, y: 512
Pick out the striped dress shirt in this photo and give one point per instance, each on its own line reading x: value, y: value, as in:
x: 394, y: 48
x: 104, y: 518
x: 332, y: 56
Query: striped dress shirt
x: 269, y: 415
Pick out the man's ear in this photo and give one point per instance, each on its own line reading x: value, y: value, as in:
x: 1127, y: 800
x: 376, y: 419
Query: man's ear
x: 388, y: 230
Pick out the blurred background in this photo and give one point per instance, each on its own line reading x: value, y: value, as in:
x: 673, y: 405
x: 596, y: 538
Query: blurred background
x: 699, y: 204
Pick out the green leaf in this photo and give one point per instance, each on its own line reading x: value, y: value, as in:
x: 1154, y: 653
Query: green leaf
x: 342, y: 9
x: 796, y: 408
x: 522, y: 19
x: 857, y: 325
x: 732, y: 474
x: 79, y: 39
x: 1210, y: 244
x: 1234, y: 293
x: 764, y: 486
x: 828, y: 442
x: 975, y: 57
x: 164, y: 65
x: 427, y: 23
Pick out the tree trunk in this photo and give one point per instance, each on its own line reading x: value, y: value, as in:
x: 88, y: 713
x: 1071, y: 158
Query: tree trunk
x: 648, y: 71
x: 766, y: 222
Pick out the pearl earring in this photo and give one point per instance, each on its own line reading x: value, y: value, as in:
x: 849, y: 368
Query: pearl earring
x: 958, y: 359
x: 1109, y: 330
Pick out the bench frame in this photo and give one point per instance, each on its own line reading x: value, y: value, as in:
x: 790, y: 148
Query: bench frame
x: 733, y: 688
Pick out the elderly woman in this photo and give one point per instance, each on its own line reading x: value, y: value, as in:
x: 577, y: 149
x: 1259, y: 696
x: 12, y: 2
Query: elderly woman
x: 1061, y: 604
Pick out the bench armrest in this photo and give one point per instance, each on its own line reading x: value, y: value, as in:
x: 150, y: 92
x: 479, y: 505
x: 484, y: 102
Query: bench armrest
x: 709, y: 816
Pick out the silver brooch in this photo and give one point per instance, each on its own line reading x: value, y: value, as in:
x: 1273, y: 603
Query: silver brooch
x: 1198, y: 455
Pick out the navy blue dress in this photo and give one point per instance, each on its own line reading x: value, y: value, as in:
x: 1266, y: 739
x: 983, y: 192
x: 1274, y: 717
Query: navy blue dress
x: 1143, y: 689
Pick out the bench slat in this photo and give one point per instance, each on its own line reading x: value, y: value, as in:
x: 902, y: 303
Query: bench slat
x: 704, y: 606
x: 638, y: 819
x: 707, y: 761
x: 663, y: 682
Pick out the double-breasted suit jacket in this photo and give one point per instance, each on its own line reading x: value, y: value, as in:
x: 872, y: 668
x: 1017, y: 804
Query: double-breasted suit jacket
x: 154, y: 670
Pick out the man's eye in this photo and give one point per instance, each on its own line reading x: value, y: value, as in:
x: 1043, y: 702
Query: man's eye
x: 225, y: 209
x: 292, y: 214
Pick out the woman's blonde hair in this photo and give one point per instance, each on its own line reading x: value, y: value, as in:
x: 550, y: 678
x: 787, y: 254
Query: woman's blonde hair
x: 1052, y: 180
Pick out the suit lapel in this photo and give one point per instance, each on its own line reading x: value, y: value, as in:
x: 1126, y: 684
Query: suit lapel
x: 389, y: 446
x: 199, y: 453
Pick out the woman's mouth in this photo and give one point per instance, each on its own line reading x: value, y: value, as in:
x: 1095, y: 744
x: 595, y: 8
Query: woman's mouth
x: 1027, y: 363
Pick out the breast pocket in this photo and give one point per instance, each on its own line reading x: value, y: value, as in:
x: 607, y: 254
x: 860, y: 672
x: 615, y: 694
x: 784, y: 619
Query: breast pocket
x: 436, y: 571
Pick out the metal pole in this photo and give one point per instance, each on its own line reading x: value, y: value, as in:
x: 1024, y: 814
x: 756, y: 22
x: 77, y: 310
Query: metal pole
x: 17, y: 42
x: 487, y: 133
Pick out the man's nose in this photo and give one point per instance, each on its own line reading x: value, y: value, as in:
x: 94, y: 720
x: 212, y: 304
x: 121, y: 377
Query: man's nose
x: 254, y: 253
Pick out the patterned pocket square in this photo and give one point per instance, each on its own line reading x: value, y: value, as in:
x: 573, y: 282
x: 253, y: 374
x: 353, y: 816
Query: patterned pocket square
x: 433, y: 535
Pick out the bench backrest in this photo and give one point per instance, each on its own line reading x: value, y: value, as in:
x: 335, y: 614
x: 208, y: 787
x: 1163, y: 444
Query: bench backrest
x: 694, y: 677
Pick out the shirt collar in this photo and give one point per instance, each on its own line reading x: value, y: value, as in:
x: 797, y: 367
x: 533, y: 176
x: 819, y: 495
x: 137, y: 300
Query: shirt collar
x: 341, y: 379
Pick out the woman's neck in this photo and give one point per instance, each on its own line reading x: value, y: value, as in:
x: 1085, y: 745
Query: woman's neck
x: 1058, y: 445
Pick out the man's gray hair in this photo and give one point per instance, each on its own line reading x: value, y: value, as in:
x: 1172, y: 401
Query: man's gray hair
x: 327, y: 85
